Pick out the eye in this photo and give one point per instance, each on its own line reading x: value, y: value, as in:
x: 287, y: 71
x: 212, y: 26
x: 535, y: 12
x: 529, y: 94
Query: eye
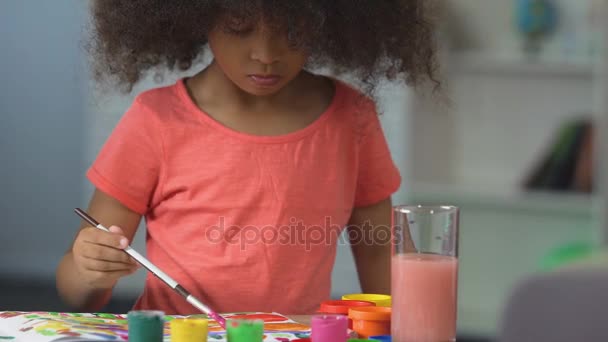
x: 238, y: 26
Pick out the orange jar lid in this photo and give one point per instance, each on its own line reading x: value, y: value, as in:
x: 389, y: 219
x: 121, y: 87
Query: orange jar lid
x: 370, y: 313
x: 342, y: 306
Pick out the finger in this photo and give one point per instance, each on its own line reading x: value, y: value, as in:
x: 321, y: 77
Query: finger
x: 105, y: 276
x: 104, y: 253
x: 135, y: 263
x: 135, y: 269
x: 105, y: 266
x: 102, y: 238
x: 116, y: 230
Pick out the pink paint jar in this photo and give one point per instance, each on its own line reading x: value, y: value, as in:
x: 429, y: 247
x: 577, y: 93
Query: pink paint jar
x: 329, y: 328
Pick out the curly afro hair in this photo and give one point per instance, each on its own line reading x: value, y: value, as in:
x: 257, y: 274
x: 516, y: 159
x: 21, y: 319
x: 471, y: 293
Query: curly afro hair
x: 369, y: 39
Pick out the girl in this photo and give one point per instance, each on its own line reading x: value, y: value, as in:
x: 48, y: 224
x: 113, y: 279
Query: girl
x: 247, y: 171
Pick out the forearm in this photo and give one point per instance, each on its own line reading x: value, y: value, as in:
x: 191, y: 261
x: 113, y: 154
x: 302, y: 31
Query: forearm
x: 78, y: 292
x: 370, y: 240
x: 75, y: 292
x: 374, y: 268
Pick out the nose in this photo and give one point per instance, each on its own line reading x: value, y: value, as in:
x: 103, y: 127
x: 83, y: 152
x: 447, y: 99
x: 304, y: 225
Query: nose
x: 267, y: 48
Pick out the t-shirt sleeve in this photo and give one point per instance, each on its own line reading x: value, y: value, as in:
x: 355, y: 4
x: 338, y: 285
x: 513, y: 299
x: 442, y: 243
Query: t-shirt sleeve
x: 378, y: 177
x: 127, y: 167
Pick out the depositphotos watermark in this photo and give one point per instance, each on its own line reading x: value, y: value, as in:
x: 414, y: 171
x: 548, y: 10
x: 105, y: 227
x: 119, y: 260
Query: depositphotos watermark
x: 296, y: 233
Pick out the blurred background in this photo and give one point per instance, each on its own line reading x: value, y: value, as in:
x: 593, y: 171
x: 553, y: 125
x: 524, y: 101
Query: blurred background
x: 515, y: 145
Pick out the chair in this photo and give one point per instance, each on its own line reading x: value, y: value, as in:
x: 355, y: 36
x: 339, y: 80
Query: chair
x: 565, y: 306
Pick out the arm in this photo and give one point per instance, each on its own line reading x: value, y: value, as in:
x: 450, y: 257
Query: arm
x: 72, y: 286
x: 370, y: 238
x: 371, y: 248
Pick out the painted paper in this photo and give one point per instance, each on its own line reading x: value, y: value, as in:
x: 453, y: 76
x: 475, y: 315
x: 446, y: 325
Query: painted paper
x: 18, y: 326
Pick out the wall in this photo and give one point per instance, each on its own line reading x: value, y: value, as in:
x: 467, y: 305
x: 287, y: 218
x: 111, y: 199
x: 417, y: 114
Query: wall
x: 498, y: 126
x: 497, y: 95
x: 475, y: 152
x: 41, y: 132
x: 489, y: 26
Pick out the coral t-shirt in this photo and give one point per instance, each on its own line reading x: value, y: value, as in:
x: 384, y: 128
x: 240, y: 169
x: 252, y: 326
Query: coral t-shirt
x: 243, y: 222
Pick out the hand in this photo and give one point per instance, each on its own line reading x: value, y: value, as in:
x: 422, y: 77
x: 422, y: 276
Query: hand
x: 100, y: 259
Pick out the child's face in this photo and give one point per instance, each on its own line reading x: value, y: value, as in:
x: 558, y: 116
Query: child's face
x: 257, y: 60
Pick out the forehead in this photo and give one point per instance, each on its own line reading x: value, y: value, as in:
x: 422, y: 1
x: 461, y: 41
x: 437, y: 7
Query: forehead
x: 283, y: 18
x: 258, y: 13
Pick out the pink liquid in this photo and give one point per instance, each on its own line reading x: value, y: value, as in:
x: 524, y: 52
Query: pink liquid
x: 424, y: 290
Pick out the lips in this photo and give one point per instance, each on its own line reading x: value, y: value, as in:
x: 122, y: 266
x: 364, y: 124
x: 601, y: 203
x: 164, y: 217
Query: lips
x: 265, y: 80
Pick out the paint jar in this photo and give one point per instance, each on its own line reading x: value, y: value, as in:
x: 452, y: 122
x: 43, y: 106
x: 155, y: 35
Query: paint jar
x: 378, y: 299
x: 146, y: 326
x: 243, y: 330
x: 341, y: 307
x: 371, y: 321
x: 188, y: 329
x: 385, y: 338
x: 329, y: 328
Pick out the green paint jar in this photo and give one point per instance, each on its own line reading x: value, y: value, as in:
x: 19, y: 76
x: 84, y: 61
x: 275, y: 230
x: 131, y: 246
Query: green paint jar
x: 242, y: 330
x: 146, y: 326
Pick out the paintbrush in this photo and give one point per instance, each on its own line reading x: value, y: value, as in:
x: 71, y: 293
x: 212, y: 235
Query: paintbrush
x: 158, y: 273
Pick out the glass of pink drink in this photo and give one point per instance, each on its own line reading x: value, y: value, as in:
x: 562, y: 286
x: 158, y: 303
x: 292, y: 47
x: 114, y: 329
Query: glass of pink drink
x: 424, y: 273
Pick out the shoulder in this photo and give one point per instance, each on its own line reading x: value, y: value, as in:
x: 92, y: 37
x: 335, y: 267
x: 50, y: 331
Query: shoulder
x: 159, y: 104
x: 356, y: 107
x: 352, y: 95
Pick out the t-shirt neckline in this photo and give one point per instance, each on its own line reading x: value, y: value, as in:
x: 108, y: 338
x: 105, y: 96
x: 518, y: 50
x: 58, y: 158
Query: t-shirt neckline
x: 268, y: 139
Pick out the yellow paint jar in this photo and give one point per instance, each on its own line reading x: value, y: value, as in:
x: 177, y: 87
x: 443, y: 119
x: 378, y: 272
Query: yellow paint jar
x: 188, y: 329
